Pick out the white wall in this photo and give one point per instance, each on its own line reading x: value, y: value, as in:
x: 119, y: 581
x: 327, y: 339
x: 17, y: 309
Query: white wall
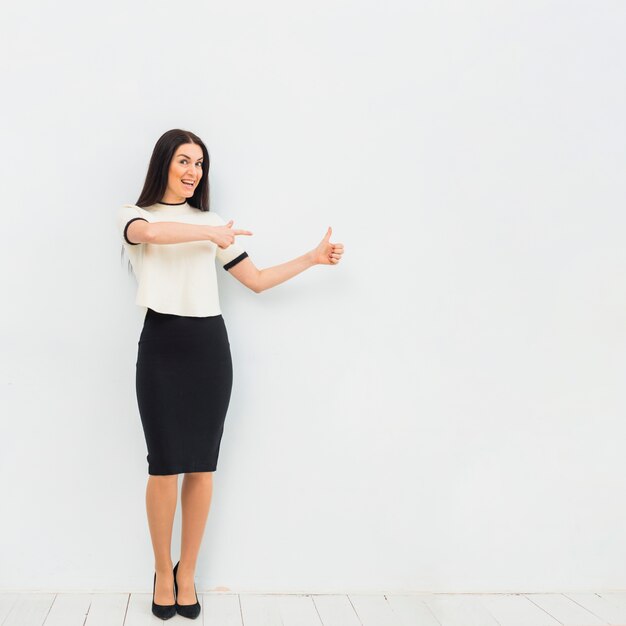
x: 442, y: 411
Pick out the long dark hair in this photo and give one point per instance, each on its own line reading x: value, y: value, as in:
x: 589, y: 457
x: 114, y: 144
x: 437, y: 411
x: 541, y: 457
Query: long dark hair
x: 156, y: 178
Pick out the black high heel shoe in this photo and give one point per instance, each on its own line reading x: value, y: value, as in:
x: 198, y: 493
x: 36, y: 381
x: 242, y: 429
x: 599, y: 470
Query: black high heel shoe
x: 186, y: 610
x: 162, y: 611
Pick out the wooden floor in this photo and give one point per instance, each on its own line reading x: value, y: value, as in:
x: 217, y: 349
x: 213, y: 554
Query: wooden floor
x: 223, y: 609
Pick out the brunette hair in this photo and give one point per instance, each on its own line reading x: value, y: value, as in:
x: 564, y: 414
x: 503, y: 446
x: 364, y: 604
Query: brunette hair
x: 156, y: 178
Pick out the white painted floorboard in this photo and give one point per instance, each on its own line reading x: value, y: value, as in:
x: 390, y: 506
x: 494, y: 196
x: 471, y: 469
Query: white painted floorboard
x: 459, y: 610
x: 249, y: 609
x: 516, y: 610
x: 603, y: 608
x: 220, y: 610
x: 565, y: 610
x: 411, y: 610
x: 336, y: 610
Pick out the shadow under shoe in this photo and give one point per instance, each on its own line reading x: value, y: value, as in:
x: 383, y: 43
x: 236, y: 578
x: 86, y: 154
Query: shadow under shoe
x: 186, y: 610
x: 162, y: 611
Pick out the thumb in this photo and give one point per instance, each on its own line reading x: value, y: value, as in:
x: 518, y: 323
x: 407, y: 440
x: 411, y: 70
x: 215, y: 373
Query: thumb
x: 328, y: 234
x: 230, y: 223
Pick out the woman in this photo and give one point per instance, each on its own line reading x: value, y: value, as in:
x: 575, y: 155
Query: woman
x: 184, y: 368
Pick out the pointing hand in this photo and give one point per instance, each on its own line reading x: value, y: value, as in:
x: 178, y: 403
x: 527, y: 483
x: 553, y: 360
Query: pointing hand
x: 225, y: 235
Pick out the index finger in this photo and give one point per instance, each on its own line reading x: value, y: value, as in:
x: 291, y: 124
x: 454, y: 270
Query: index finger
x: 243, y: 232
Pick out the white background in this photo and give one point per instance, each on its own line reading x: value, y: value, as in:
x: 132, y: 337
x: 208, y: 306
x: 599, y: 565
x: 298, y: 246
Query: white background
x: 444, y: 410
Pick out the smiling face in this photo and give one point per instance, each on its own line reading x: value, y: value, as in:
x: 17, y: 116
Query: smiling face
x: 184, y: 174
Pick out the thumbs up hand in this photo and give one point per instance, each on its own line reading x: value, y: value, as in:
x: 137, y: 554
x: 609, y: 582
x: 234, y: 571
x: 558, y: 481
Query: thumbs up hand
x: 327, y: 253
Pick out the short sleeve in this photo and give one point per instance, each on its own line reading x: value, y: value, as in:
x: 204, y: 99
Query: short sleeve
x: 229, y: 257
x: 127, y: 214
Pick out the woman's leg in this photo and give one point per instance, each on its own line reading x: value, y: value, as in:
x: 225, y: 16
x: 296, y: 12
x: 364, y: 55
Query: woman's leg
x: 195, y: 499
x: 161, y: 496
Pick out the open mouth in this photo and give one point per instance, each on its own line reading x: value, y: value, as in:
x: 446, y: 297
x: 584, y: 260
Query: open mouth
x: 188, y: 184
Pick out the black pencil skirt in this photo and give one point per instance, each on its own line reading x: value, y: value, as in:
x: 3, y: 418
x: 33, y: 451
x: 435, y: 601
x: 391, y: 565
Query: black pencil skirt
x: 184, y: 377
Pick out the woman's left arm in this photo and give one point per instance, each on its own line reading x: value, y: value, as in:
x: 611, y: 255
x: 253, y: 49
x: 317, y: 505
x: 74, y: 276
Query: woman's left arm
x: 326, y: 253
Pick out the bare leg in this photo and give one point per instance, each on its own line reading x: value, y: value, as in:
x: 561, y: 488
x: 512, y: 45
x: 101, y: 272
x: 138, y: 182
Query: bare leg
x: 161, y: 496
x: 195, y: 499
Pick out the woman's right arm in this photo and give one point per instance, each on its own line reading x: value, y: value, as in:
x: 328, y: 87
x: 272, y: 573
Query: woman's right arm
x: 142, y: 231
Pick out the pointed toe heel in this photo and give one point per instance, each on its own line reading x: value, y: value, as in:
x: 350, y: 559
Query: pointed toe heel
x: 162, y: 611
x: 186, y: 610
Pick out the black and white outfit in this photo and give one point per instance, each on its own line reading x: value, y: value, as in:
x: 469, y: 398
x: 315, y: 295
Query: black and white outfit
x: 184, y: 370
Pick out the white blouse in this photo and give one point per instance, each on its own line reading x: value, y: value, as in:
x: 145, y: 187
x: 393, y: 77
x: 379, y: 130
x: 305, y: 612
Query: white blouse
x: 177, y: 278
